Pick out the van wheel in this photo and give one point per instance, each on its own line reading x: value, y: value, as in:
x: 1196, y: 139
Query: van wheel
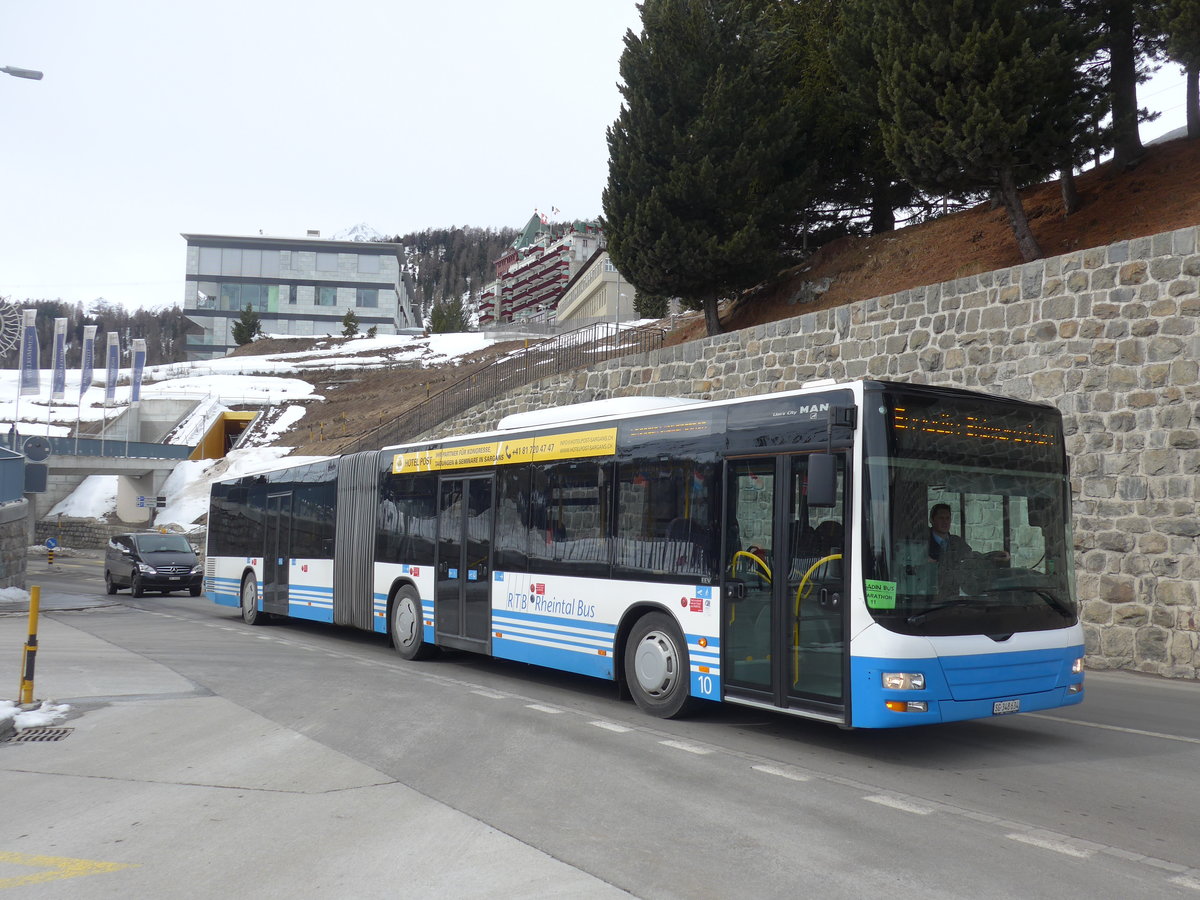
x: 135, y: 585
x: 194, y: 591
x: 657, y: 669
x: 408, y: 627
x: 251, y: 614
x: 109, y: 587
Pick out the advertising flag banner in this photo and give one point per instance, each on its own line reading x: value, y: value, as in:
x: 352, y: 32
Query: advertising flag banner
x: 31, y: 375
x: 58, y: 377
x: 114, y: 365
x: 87, y: 361
x: 139, y: 365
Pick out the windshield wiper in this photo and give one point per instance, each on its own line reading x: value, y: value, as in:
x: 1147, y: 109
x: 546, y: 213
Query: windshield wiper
x: 950, y: 604
x: 1050, y: 599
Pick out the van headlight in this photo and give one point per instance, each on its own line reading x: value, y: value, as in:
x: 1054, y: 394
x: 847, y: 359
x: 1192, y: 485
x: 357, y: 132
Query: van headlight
x: 904, y: 681
x: 147, y: 570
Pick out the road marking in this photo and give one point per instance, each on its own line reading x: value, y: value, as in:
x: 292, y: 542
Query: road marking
x: 546, y: 709
x: 1187, y: 882
x: 689, y: 748
x: 612, y: 726
x: 1137, y: 731
x: 1047, y: 844
x: 54, y: 868
x: 897, y: 803
x: 782, y: 772
x: 491, y: 695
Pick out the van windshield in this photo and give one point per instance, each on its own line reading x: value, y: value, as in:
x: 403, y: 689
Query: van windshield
x: 160, y: 543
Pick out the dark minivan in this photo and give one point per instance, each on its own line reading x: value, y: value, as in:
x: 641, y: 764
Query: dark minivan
x: 152, y: 562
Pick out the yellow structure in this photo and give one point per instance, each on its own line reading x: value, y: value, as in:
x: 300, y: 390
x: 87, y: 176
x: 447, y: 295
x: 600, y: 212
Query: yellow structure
x: 222, y: 435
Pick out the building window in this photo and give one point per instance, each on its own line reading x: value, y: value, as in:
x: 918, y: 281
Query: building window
x: 291, y: 288
x: 251, y: 263
x: 231, y: 261
x: 260, y: 297
x: 327, y: 262
x: 207, y: 295
x: 368, y: 265
x: 210, y: 261
x: 326, y: 295
x: 368, y: 297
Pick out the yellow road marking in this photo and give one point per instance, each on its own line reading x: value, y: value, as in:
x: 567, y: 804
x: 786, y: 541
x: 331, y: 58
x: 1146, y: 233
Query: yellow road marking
x: 54, y: 868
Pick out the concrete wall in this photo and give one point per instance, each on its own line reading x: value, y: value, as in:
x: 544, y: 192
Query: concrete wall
x: 1108, y: 335
x: 14, y: 543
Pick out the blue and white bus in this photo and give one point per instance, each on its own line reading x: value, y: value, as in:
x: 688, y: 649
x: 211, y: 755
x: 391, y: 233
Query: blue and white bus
x: 774, y: 551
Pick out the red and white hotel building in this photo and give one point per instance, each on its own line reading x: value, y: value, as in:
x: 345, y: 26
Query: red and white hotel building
x: 532, y: 275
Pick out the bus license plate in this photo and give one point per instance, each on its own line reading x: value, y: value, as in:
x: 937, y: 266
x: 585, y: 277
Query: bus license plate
x: 1000, y: 707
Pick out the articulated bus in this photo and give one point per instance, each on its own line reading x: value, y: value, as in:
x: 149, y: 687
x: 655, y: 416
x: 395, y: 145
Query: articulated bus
x: 775, y: 551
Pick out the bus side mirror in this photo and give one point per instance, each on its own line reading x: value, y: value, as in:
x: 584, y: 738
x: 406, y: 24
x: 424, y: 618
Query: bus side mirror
x: 822, y: 480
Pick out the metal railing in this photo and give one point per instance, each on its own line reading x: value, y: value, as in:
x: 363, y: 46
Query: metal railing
x: 568, y: 352
x: 114, y: 447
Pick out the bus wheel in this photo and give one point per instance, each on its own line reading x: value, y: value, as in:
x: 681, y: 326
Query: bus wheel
x: 656, y: 666
x: 408, y: 631
x: 251, y: 614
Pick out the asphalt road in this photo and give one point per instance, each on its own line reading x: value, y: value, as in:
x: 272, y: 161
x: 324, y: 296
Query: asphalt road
x: 1098, y: 801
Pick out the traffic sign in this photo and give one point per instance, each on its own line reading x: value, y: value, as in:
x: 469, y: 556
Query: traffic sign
x: 51, y: 543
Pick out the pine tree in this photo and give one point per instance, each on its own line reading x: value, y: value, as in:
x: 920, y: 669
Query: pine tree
x: 709, y: 175
x: 650, y: 306
x: 978, y: 95
x: 349, y: 324
x: 448, y: 317
x: 1181, y: 25
x: 247, y: 327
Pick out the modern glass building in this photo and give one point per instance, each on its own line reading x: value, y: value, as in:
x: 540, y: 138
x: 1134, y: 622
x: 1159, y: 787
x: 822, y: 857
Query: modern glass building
x: 297, y: 287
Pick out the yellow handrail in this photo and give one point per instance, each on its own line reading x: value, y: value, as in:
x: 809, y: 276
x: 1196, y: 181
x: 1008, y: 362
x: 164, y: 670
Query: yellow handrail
x: 758, y: 561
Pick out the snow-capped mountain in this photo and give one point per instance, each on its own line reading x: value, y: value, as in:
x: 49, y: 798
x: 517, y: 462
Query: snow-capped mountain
x: 360, y: 232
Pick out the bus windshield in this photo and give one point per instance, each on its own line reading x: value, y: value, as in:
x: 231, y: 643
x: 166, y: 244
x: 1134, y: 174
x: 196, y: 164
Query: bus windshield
x: 968, y: 527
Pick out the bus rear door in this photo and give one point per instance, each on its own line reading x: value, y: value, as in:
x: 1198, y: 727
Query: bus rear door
x: 462, y: 594
x: 783, y: 642
x: 277, y: 554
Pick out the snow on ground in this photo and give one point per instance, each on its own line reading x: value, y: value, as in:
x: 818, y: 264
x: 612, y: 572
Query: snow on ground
x: 215, y: 385
x: 46, y: 714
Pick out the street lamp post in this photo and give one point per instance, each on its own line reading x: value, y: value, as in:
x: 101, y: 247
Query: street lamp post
x: 18, y: 72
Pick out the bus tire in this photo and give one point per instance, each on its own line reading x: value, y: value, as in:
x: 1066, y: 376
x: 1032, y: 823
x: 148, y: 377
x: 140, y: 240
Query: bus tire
x: 657, y: 670
x: 407, y: 627
x: 251, y: 614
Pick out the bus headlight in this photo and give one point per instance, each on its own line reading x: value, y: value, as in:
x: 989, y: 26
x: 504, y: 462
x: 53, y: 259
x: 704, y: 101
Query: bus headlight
x: 1077, y: 666
x: 904, y: 681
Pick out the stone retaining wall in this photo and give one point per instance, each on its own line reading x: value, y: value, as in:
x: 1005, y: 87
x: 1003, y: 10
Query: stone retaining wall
x: 91, y: 534
x: 1108, y: 335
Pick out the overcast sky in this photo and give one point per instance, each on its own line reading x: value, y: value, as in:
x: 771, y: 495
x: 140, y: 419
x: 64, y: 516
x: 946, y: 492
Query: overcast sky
x: 157, y: 117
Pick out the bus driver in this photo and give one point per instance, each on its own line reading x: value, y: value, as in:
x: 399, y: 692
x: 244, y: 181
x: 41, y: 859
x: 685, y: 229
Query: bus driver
x: 951, y: 548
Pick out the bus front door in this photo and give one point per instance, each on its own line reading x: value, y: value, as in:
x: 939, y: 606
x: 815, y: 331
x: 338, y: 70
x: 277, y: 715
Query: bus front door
x: 277, y: 553
x: 784, y: 616
x: 462, y: 594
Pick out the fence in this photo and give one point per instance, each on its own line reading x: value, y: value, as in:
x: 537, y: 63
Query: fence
x: 577, y: 349
x: 72, y: 446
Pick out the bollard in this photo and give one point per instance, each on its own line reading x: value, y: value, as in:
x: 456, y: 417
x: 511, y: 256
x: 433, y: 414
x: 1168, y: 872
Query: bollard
x: 25, y: 694
x: 49, y: 557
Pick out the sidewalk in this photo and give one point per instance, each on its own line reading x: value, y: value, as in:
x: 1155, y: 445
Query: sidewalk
x: 162, y: 789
